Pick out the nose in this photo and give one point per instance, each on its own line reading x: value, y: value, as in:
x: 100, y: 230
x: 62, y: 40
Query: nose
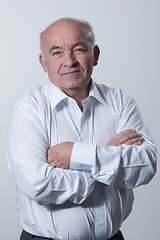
x: 69, y: 60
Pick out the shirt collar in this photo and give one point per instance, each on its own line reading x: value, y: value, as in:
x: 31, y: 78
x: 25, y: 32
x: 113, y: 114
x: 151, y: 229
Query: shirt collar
x: 95, y: 93
x: 56, y: 95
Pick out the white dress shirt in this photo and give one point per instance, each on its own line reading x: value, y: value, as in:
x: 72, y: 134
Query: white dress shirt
x: 90, y: 200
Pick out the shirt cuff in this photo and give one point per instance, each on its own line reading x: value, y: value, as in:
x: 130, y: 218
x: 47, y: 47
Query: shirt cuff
x: 83, y: 156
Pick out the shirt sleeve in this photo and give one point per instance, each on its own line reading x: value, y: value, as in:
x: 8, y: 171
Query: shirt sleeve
x: 27, y: 145
x: 124, y: 166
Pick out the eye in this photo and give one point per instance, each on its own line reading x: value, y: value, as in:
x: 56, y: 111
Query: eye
x: 57, y: 53
x: 80, y: 51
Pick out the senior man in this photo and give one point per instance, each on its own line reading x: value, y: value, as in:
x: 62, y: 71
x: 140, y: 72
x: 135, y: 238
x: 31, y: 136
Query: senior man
x: 76, y: 148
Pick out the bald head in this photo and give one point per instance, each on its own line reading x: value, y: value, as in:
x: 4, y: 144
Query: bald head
x: 82, y: 25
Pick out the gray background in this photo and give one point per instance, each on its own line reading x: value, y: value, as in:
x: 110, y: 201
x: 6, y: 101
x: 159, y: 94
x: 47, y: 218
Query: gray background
x: 128, y: 34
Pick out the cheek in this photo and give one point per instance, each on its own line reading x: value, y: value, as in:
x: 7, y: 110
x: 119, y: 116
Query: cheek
x: 53, y: 68
x: 89, y: 67
x: 87, y: 64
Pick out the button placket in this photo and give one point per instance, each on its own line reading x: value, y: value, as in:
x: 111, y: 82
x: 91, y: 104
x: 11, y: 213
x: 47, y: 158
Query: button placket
x: 98, y: 212
x: 84, y: 129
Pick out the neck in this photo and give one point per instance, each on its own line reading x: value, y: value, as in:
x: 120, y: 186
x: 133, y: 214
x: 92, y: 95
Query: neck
x: 79, y: 98
x: 80, y: 106
x: 78, y: 94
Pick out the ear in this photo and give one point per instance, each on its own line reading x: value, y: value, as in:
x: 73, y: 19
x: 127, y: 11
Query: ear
x: 96, y: 55
x: 42, y: 61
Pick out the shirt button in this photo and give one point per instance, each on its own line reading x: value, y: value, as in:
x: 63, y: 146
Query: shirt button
x: 100, y: 223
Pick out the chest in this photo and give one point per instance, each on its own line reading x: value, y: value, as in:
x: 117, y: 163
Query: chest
x: 97, y: 124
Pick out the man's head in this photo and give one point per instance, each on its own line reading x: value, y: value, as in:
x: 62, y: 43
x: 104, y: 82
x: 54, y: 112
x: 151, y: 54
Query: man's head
x: 68, y: 54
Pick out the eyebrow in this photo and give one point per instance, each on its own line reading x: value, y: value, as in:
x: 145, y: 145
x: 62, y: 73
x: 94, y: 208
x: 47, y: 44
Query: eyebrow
x: 54, y: 48
x: 80, y: 43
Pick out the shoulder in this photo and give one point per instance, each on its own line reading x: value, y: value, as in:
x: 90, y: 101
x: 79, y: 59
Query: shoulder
x: 35, y: 98
x: 34, y: 103
x: 113, y: 95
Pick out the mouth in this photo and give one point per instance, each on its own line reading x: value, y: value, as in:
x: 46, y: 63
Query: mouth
x: 71, y: 73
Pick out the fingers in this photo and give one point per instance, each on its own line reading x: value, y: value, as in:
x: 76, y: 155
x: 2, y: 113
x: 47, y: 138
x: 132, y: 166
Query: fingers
x: 51, y: 154
x: 134, y: 141
x: 129, y: 137
x: 59, y: 155
x: 52, y: 159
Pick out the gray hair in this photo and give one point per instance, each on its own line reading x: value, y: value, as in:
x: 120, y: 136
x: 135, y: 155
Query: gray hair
x: 86, y: 27
x: 89, y: 34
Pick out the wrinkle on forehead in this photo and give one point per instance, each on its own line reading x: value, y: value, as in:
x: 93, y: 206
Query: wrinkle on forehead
x: 65, y: 22
x: 63, y: 27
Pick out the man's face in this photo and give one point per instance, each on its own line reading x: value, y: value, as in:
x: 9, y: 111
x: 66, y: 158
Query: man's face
x: 67, y: 59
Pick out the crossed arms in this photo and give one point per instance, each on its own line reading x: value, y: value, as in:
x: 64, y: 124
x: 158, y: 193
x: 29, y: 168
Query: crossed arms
x: 59, y: 155
x: 126, y: 161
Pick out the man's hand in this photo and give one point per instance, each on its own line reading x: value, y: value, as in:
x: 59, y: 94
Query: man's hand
x: 129, y: 137
x: 59, y: 155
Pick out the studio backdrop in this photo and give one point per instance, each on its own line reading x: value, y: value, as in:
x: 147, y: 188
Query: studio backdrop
x: 128, y: 34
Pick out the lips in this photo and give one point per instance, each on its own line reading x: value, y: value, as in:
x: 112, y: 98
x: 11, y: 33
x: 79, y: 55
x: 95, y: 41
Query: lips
x: 71, y: 72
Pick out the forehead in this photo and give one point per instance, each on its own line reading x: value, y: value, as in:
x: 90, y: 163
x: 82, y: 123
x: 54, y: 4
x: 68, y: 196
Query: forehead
x: 64, y: 33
